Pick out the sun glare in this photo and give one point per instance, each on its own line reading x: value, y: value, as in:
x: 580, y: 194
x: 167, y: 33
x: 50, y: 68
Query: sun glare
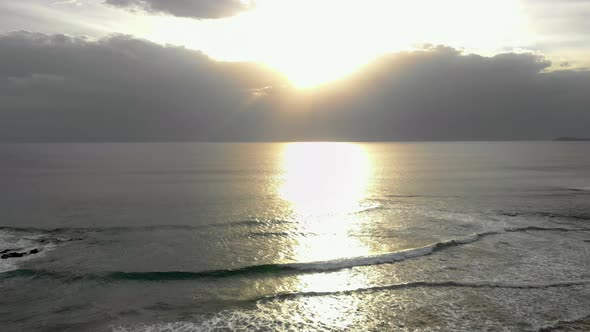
x: 324, y: 178
x: 326, y: 184
x: 316, y: 41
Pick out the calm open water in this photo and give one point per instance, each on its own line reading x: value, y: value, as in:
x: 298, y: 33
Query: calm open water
x: 295, y: 236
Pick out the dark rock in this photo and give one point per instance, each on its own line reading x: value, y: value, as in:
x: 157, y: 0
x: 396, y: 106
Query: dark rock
x: 13, y: 255
x: 8, y: 253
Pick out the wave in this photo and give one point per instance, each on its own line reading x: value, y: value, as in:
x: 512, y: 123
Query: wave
x: 148, y: 276
x: 19, y: 244
x: 369, y: 208
x: 256, y: 222
x: 246, y: 222
x: 157, y: 276
x: 91, y: 229
x: 287, y: 268
x: 582, y: 189
x: 32, y: 235
x: 422, y: 196
x: 572, y: 216
x: 429, y: 284
x: 280, y: 234
x: 581, y: 323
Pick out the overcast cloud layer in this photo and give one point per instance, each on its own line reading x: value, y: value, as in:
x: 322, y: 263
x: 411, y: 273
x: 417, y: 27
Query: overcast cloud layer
x: 58, y: 88
x: 187, y: 8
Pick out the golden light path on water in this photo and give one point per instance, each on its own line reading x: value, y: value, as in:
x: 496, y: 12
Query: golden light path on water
x: 326, y: 185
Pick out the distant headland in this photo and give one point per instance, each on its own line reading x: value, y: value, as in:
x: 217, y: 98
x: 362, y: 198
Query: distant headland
x: 572, y: 139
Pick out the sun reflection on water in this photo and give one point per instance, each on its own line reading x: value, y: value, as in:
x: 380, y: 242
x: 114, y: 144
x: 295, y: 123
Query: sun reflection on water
x: 324, y: 178
x: 325, y: 185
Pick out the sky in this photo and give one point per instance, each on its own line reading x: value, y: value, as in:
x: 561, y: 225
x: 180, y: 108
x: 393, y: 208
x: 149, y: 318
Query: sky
x: 283, y: 70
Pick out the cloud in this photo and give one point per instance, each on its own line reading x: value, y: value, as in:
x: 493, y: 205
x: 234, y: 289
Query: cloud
x: 199, y: 9
x: 59, y: 88
x: 117, y: 88
x: 441, y: 94
x: 562, y: 25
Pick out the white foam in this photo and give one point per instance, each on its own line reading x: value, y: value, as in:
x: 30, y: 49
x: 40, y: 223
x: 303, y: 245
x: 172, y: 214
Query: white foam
x: 367, y: 207
x: 262, y: 319
x: 393, y: 257
x: 161, y: 327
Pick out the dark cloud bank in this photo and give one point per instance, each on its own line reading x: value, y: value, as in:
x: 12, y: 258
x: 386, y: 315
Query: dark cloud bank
x: 57, y: 88
x: 186, y: 8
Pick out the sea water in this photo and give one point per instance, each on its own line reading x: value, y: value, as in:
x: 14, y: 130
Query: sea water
x: 295, y: 236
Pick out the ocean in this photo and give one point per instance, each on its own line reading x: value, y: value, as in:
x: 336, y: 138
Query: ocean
x: 458, y: 236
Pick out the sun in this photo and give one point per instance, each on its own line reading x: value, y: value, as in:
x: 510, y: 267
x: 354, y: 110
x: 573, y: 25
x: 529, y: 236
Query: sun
x: 311, y: 42
x: 317, y: 41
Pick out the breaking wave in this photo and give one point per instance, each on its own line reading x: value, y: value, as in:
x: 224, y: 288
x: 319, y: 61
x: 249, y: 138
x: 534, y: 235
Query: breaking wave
x: 432, y: 284
x: 287, y: 268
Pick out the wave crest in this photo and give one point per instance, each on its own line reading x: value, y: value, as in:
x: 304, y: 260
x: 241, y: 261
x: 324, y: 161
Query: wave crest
x: 288, y: 268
